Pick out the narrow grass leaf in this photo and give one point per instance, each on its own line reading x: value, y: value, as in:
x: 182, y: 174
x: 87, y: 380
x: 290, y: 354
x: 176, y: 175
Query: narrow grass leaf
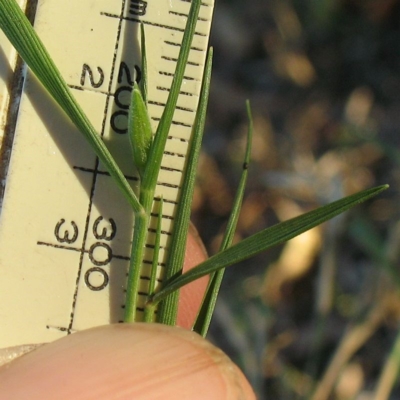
x: 206, y: 311
x: 23, y: 37
x: 265, y: 239
x: 152, y: 170
x: 139, y: 130
x: 168, y: 309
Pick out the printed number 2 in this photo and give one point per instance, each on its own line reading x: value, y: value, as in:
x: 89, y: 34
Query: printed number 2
x: 87, y: 71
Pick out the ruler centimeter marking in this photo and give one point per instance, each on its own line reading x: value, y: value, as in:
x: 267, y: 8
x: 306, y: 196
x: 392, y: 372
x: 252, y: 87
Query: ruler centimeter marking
x: 65, y: 230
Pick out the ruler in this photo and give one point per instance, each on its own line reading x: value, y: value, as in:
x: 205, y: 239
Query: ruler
x: 65, y: 230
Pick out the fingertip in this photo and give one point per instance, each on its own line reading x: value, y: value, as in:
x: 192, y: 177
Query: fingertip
x: 191, y: 295
x: 125, y: 361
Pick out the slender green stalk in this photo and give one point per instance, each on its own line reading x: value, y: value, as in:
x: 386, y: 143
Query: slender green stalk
x: 169, y: 308
x: 206, y: 311
x: 265, y: 239
x: 149, y: 311
x: 137, y: 251
x: 23, y: 37
x: 140, y: 135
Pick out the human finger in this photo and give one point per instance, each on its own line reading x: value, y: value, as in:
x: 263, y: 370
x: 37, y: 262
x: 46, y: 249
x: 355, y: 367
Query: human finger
x: 125, y: 361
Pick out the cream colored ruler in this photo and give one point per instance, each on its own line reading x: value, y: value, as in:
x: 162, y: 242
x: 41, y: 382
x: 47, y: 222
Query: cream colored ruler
x: 65, y: 230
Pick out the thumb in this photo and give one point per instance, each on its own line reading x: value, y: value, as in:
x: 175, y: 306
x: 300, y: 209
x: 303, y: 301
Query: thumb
x: 125, y: 361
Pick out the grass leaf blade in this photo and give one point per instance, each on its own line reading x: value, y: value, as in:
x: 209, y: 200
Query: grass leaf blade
x: 23, y: 37
x: 206, y: 311
x: 168, y: 308
x: 267, y: 238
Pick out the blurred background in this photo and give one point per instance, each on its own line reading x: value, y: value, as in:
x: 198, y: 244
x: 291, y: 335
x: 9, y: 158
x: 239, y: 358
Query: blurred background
x: 317, y: 318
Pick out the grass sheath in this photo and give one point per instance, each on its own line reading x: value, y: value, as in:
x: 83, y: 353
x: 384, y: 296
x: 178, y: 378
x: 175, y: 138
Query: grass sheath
x: 149, y: 311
